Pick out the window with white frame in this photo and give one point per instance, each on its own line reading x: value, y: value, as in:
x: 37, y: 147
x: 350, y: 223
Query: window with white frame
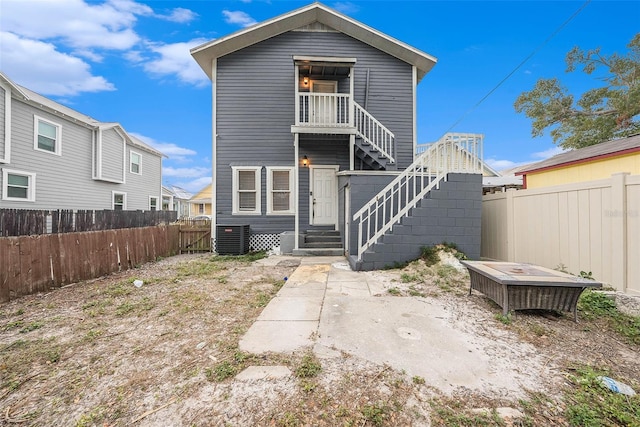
x: 153, y: 203
x: 18, y: 186
x: 135, y: 162
x: 47, y: 136
x: 201, y: 208
x: 246, y: 190
x: 280, y: 186
x: 119, y: 202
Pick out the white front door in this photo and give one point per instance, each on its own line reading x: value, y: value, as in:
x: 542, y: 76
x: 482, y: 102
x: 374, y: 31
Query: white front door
x: 324, y: 195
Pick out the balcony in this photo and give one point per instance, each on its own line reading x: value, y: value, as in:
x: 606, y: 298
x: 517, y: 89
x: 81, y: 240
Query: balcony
x: 324, y: 113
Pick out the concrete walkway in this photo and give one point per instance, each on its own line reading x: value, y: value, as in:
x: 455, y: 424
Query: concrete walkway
x: 326, y: 306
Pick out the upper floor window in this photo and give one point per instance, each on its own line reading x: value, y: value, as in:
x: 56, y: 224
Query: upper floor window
x: 246, y: 190
x: 47, y: 136
x: 119, y: 201
x: 136, y: 163
x: 201, y: 208
x: 280, y: 190
x: 18, y: 186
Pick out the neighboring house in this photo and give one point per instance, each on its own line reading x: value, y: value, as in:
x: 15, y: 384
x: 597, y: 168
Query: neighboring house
x: 176, y: 199
x: 52, y: 157
x: 314, y: 135
x: 598, y: 161
x: 200, y: 203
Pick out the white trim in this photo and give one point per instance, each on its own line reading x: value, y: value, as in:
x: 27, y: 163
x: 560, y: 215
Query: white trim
x: 292, y: 189
x: 328, y: 59
x: 131, y: 154
x: 58, y: 140
x: 7, y: 124
x: 414, y: 118
x: 214, y: 143
x: 124, y: 199
x: 336, y: 168
x: 235, y: 209
x: 31, y: 188
x: 296, y: 197
x: 157, y: 208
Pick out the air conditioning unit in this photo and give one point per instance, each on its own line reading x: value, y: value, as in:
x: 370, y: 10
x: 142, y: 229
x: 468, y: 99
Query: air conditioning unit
x: 232, y: 239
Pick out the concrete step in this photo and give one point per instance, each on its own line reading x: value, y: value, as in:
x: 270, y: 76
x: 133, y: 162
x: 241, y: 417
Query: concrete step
x: 319, y: 238
x: 322, y: 245
x: 318, y: 252
x: 322, y: 233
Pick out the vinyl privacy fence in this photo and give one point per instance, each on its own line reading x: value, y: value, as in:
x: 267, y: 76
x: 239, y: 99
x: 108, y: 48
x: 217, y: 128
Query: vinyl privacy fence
x: 591, y: 227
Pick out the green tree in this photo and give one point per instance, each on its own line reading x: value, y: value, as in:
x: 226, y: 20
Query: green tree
x: 601, y: 114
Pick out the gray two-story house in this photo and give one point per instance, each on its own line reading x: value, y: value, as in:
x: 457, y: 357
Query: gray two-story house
x: 53, y: 157
x: 314, y: 135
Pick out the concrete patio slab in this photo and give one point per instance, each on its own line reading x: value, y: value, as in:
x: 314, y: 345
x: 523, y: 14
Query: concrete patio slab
x: 293, y: 308
x: 263, y: 373
x: 279, y: 336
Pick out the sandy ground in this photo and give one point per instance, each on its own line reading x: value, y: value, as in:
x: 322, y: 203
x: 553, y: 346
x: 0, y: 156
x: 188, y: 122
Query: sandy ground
x: 108, y: 353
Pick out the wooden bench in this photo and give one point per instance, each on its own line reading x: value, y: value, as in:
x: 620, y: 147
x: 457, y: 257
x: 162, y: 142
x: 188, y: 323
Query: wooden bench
x: 516, y: 286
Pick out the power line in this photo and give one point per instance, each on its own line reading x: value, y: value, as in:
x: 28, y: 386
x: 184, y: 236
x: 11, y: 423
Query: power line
x: 524, y: 61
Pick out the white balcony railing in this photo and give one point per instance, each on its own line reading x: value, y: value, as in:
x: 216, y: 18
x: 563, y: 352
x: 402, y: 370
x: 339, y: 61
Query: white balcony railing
x: 323, y: 110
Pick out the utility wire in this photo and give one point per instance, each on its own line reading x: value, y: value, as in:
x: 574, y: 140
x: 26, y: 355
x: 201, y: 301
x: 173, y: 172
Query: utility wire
x: 531, y: 55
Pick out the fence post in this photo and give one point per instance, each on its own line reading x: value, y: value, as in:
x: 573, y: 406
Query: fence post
x: 511, y: 226
x: 618, y: 215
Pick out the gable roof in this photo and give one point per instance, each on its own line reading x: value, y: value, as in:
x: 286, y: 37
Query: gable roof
x: 315, y: 12
x: 53, y: 107
x: 612, y: 148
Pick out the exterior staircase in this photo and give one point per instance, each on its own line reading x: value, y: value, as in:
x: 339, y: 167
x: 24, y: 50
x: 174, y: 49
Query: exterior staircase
x: 321, y: 242
x: 388, y: 218
x: 375, y: 144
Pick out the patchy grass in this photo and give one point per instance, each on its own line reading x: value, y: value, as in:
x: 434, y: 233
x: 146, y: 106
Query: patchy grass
x: 590, y: 403
x: 594, y: 305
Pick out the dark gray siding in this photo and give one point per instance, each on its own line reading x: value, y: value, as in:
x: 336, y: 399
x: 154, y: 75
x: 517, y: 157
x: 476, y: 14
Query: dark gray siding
x: 255, y: 111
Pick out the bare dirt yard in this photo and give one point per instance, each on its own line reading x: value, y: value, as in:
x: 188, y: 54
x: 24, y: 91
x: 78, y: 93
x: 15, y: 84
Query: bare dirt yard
x: 112, y: 352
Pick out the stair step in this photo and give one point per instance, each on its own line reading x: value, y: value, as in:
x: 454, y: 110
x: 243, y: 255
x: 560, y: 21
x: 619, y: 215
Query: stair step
x: 323, y: 233
x: 318, y: 252
x: 323, y: 238
x: 318, y: 245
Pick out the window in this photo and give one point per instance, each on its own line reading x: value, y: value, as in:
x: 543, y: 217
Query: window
x: 119, y: 201
x: 280, y: 186
x: 200, y: 208
x: 47, y: 136
x: 153, y: 203
x: 18, y: 186
x: 246, y: 190
x: 135, y: 163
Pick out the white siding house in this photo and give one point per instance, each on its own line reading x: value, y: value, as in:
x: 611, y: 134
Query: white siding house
x: 52, y: 157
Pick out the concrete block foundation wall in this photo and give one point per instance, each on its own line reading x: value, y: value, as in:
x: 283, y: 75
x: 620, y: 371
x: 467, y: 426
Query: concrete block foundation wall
x: 452, y: 213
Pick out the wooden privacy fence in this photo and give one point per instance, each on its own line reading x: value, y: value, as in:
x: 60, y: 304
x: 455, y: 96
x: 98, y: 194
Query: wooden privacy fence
x: 592, y: 227
x: 24, y: 222
x: 30, y: 264
x: 195, y: 235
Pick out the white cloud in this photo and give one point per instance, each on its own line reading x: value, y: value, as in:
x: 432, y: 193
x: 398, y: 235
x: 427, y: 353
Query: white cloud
x: 542, y: 155
x: 76, y: 23
x: 179, y: 15
x: 195, y: 185
x: 195, y: 172
x: 346, y: 7
x: 173, y: 151
x: 238, y: 18
x: 175, y: 59
x: 501, y: 165
x: 27, y: 61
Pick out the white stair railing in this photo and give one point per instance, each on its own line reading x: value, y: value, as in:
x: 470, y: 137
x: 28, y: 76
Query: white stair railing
x: 454, y: 152
x: 374, y: 132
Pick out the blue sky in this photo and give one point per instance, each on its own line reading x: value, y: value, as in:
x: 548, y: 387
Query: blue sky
x: 128, y: 61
